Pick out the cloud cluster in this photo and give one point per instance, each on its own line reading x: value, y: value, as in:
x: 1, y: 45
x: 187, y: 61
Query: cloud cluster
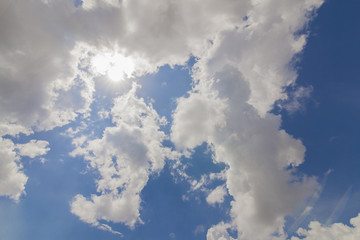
x: 125, y: 156
x: 47, y: 47
x: 257, y: 154
x: 38, y: 71
x: 236, y: 84
x: 40, y: 85
x: 40, y: 56
x: 12, y: 179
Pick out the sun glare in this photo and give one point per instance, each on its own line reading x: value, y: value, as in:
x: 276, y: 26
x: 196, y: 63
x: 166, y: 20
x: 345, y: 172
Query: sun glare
x: 115, y: 66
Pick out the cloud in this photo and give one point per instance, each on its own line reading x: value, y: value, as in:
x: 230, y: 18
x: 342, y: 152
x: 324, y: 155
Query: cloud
x: 336, y: 231
x: 219, y: 232
x: 200, y: 118
x: 257, y: 154
x: 40, y: 85
x: 47, y: 67
x: 236, y: 84
x: 38, y: 71
x: 296, y: 99
x: 12, y: 179
x: 217, y: 195
x: 125, y: 156
x: 149, y: 34
x: 33, y: 148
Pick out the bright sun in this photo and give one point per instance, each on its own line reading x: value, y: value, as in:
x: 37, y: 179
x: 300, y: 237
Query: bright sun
x: 115, y: 66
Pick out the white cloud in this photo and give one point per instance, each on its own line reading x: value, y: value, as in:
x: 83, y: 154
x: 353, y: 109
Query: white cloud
x: 219, y: 232
x: 336, y: 231
x: 238, y: 80
x: 217, y: 195
x: 124, y: 157
x: 256, y: 153
x: 46, y: 59
x: 200, y: 118
x: 33, y: 148
x: 12, y: 179
x: 13, y: 129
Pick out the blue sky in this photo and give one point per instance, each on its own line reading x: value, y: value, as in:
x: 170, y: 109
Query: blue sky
x: 179, y: 120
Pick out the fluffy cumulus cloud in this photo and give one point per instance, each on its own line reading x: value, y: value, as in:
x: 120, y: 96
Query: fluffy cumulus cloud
x: 124, y: 157
x: 217, y: 195
x: 242, y: 75
x: 336, y: 231
x: 219, y: 232
x: 12, y: 179
x: 257, y: 154
x: 33, y: 148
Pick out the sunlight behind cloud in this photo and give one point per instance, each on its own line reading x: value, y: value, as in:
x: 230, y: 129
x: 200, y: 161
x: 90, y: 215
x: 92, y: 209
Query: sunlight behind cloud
x: 116, y: 66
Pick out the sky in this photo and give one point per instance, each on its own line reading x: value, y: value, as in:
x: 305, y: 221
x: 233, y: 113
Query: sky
x: 196, y: 120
